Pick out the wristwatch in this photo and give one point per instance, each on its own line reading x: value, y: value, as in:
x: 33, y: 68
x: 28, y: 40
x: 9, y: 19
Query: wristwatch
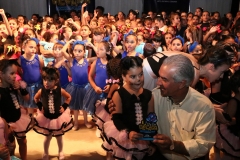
x: 172, y: 146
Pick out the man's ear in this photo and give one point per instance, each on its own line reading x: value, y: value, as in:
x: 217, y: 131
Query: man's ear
x: 182, y: 84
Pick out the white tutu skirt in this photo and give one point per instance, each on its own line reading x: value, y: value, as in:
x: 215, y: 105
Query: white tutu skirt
x: 23, y: 125
x: 118, y: 143
x: 54, y: 127
x: 227, y: 141
x: 101, y: 115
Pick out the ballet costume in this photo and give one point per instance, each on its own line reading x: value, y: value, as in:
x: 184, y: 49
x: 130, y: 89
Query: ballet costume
x: 50, y: 122
x: 124, y: 54
x: 102, y: 113
x: 228, y: 136
x: 79, y: 85
x: 32, y: 76
x: 91, y: 96
x: 4, y: 138
x: 116, y: 131
x: 14, y: 114
x: 64, y: 81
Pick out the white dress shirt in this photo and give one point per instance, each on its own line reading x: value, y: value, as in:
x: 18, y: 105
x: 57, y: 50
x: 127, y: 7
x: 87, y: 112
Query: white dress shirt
x: 192, y: 121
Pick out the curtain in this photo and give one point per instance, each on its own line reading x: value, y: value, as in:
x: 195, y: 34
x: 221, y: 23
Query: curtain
x: 114, y: 6
x: 24, y: 7
x: 222, y: 6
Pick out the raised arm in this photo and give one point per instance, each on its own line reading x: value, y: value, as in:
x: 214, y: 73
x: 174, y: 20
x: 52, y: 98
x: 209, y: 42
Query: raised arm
x: 64, y: 51
x: 5, y: 20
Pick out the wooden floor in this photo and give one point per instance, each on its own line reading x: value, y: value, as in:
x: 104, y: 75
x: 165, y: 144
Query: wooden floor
x: 78, y: 145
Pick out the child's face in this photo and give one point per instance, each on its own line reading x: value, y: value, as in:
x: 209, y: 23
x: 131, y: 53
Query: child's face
x: 130, y: 43
x: 146, y: 34
x: 205, y: 17
x: 57, y: 51
x: 131, y: 16
x: 197, y: 52
x: 168, y: 38
x: 148, y: 24
x: 85, y: 32
x: 139, y: 26
x: 52, y: 28
x: 49, y: 84
x: 158, y: 24
x: 98, y: 38
x: 44, y: 25
x: 20, y: 20
x: 127, y: 22
x: 3, y: 30
x: 176, y: 20
x: 30, y: 47
x: 54, y: 38
x: 101, y: 52
x: 68, y: 32
x: 195, y: 20
x: 140, y: 39
x: 171, y: 31
x: 30, y: 33
x: 176, y: 45
x: 134, y: 78
x: 101, y: 21
x: 93, y: 24
x: 9, y: 76
x: 156, y: 44
x: 78, y: 51
x: 13, y: 25
x: 120, y: 15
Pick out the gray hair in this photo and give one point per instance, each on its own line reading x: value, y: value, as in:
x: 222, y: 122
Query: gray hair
x: 184, y: 68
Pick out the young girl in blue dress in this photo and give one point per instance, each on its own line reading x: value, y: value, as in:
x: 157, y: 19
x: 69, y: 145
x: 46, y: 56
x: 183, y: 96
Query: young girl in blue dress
x: 53, y: 118
x: 79, y: 71
x: 97, y: 77
x: 62, y: 64
x: 31, y: 64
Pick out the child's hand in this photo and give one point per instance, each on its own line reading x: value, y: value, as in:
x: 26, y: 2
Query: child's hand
x: 106, y: 88
x: 71, y: 41
x: 70, y: 20
x: 4, y: 152
x: 16, y: 85
x: 98, y: 90
x: 134, y: 136
x: 213, y: 29
x: 2, y: 12
x: 61, y: 109
x: 88, y: 44
x: 84, y: 5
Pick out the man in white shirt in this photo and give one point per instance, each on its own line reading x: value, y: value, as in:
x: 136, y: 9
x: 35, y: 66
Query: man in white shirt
x: 186, y: 118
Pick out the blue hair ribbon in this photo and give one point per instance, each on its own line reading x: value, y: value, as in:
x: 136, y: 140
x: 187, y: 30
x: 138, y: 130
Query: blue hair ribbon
x: 106, y: 39
x: 78, y: 42
x: 35, y: 39
x: 125, y: 35
x: 181, y: 39
x: 61, y: 42
x: 193, y: 46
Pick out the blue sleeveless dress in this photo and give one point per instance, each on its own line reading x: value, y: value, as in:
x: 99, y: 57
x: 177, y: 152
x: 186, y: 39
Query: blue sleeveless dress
x: 91, y: 96
x: 32, y: 76
x: 79, y: 85
x: 124, y: 54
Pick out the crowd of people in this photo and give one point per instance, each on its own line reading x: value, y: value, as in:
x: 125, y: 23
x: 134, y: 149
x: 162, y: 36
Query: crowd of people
x: 177, y: 70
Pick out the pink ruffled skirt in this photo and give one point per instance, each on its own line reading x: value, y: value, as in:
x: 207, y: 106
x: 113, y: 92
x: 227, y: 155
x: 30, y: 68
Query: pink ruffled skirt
x: 118, y: 143
x: 54, y: 127
x: 23, y: 125
x: 227, y: 141
x: 101, y: 115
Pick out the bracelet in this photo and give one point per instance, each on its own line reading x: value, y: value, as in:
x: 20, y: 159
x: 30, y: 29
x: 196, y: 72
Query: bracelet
x: 39, y: 104
x: 65, y: 105
x: 23, y: 92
